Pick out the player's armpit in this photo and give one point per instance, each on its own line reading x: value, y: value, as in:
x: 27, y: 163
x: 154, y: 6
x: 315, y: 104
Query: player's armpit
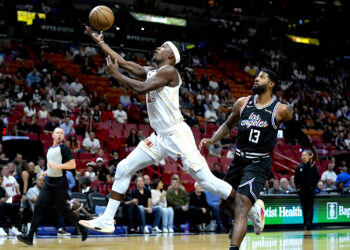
x: 233, y: 119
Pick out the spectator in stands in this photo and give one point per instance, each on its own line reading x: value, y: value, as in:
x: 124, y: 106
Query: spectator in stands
x: 276, y: 188
x: 132, y: 141
x: 213, y: 84
x: 68, y: 126
x: 91, y: 144
x: 113, y: 163
x: 59, y: 112
x: 26, y: 176
x: 48, y: 105
x: 198, y: 209
x: 159, y: 200
x: 102, y: 173
x: 192, y: 119
x: 215, y: 149
x: 320, y: 188
x: 329, y: 185
x: 231, y: 152
x: 13, y: 169
x: 43, y: 112
x: 22, y: 127
x: 107, y: 115
x: 83, y: 121
x: 76, y: 86
x: 140, y: 135
x: 83, y: 99
x: 131, y: 212
x: 4, y: 109
x: 64, y: 84
x: 40, y: 168
x: 147, y: 181
x: 120, y: 115
x: 33, y: 192
x: 210, y: 114
x: 217, y: 171
x: 292, y: 184
x: 177, y: 199
x: 71, y: 181
x: 344, y: 177
x: 2, y: 210
x: 329, y: 173
x: 90, y: 173
x: 125, y: 99
x: 213, y: 201
x: 33, y: 78
x: 33, y: 127
x: 58, y: 104
x: 96, y: 114
x: 221, y: 119
x: 284, y: 186
x: 347, y: 141
x: 144, y: 199
x: 70, y: 100
x: 29, y: 110
x: 51, y: 125
x: 85, y: 185
x: 339, y: 141
x: 36, y: 97
x: 74, y: 144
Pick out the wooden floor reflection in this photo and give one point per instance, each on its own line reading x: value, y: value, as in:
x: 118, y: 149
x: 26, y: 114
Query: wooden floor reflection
x: 320, y: 239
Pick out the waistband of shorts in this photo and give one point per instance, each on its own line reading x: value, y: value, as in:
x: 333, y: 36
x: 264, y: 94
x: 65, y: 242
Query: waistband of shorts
x: 251, y: 155
x: 168, y: 131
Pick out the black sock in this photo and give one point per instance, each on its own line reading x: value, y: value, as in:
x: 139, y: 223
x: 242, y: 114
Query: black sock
x: 233, y: 248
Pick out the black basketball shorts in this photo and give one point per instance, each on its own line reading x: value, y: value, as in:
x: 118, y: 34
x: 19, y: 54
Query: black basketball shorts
x: 248, y: 177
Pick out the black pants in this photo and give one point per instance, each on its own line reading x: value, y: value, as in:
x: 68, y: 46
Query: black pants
x: 197, y: 217
x: 10, y: 210
x: 180, y: 216
x: 132, y: 212
x: 307, y: 197
x: 52, y: 194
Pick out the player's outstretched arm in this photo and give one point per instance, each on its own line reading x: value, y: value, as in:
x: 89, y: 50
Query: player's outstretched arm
x: 133, y: 68
x: 227, y: 126
x: 68, y: 165
x: 166, y: 76
x: 285, y: 115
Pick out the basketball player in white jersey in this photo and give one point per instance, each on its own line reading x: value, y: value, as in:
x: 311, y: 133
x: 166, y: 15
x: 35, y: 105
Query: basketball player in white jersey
x: 171, y: 137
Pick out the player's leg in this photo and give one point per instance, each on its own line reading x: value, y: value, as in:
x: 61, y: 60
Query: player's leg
x: 136, y: 160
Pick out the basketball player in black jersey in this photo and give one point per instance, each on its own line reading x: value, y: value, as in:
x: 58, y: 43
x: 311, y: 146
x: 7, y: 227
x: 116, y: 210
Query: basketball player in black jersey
x: 55, y: 190
x: 258, y: 118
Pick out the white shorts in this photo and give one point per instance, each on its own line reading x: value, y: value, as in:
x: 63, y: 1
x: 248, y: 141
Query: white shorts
x: 179, y: 144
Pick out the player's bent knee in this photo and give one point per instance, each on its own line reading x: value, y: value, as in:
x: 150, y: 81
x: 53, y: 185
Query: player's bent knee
x: 122, y: 170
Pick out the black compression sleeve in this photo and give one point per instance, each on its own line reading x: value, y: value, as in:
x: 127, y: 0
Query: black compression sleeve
x: 293, y: 130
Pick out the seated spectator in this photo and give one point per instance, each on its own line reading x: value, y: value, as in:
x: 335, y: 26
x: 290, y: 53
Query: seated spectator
x: 120, y: 115
x: 132, y: 141
x: 74, y: 144
x: 213, y: 84
x: 276, y: 188
x: 96, y: 114
x: 102, y: 173
x: 51, y: 125
x: 76, y: 86
x: 140, y: 135
x: 347, y: 141
x: 83, y: 121
x: 217, y: 171
x: 58, y: 111
x: 70, y: 100
x: 26, y: 177
x: 68, y: 126
x: 85, y: 185
x: 83, y: 99
x: 48, y: 105
x: 292, y: 184
x: 320, y: 188
x: 221, y: 119
x: 58, y: 104
x: 40, y: 168
x: 339, y: 141
x: 192, y: 119
x: 113, y: 163
x: 329, y: 173
x: 2, y: 212
x: 29, y: 110
x: 125, y: 99
x: 198, y: 209
x: 91, y: 144
x: 215, y: 149
x: 329, y: 185
x: 147, y: 181
x: 22, y: 127
x: 33, y: 78
x: 159, y: 200
x: 176, y: 198
x: 101, y: 154
x: 344, y: 177
x: 34, y: 128
x: 33, y: 192
x: 231, y: 152
x: 90, y: 173
x: 144, y: 200
x: 210, y: 114
x: 107, y: 115
x: 131, y: 212
x: 284, y: 186
x: 213, y: 201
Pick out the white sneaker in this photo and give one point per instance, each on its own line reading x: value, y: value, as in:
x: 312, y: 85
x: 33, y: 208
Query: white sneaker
x: 2, y: 232
x: 145, y: 230
x: 165, y: 230
x: 257, y: 216
x: 171, y: 230
x: 14, y: 232
x: 156, y: 229
x: 99, y: 224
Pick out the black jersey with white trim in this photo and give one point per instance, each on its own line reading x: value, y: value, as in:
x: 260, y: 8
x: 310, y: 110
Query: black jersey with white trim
x: 257, y: 131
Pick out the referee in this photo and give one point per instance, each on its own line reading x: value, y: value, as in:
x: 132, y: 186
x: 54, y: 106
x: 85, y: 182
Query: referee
x: 306, y: 178
x: 55, y: 190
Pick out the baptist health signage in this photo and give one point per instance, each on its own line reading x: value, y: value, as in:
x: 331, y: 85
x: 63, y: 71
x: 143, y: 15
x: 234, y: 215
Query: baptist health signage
x: 287, y: 209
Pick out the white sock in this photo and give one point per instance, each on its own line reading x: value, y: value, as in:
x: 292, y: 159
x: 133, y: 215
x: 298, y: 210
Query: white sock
x: 111, y: 209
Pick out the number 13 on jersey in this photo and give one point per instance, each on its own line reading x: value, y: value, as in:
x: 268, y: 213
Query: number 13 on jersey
x: 254, y: 135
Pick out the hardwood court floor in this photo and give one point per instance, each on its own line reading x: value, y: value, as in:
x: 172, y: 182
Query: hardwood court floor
x: 321, y: 239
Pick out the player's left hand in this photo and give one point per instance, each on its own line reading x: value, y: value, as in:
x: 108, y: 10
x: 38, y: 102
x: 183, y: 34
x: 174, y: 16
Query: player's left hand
x: 205, y: 142
x: 53, y: 165
x: 112, y: 67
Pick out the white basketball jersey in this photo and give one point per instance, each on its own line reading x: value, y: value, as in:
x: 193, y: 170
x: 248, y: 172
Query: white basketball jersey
x: 163, y: 105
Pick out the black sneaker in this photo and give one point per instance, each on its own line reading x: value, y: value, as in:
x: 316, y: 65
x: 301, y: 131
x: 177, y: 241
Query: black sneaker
x: 84, y: 233
x: 25, y: 239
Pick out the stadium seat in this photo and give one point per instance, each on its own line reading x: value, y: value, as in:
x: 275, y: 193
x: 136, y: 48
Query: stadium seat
x: 96, y: 199
x: 82, y: 198
x: 85, y: 156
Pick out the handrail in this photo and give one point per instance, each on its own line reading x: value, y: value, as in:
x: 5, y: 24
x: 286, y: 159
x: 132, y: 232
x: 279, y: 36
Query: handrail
x: 287, y: 158
x: 283, y: 166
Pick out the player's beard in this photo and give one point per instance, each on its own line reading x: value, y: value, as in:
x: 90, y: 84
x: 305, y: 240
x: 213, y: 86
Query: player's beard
x: 259, y: 89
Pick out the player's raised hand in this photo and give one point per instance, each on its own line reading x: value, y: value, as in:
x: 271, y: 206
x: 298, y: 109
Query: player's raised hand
x: 205, y: 142
x: 112, y: 67
x: 95, y: 36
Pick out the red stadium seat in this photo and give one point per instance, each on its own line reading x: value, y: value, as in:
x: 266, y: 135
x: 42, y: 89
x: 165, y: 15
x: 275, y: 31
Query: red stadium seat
x: 85, y: 156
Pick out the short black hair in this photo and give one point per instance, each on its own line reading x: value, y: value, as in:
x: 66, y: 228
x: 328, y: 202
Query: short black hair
x: 272, y: 75
x: 155, y: 183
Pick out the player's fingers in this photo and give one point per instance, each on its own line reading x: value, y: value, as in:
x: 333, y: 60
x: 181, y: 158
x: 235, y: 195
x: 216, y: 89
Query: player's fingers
x: 115, y: 61
x: 101, y: 33
x: 107, y: 61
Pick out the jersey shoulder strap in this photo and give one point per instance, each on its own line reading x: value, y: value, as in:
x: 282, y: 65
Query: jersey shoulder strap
x: 245, y: 104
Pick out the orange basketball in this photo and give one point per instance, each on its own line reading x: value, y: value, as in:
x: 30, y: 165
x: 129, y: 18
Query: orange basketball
x: 101, y: 18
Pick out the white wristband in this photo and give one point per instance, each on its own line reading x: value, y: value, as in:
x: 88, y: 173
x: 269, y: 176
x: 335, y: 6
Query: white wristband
x: 100, y: 42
